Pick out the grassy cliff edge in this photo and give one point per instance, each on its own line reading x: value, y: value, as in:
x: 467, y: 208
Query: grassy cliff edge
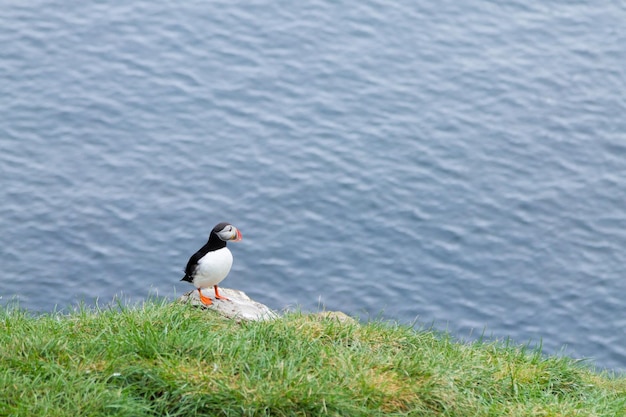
x: 169, y: 359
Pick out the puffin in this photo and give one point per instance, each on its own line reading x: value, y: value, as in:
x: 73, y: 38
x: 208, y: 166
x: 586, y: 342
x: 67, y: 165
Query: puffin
x: 212, y: 262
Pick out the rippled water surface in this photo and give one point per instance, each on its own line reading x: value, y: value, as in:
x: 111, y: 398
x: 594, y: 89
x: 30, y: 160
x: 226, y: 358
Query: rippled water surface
x: 458, y: 163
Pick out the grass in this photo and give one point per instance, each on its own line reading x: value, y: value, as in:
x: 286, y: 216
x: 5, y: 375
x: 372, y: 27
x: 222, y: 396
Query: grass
x: 167, y: 359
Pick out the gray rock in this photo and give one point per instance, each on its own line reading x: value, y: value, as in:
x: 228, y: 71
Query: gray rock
x: 335, y: 315
x: 239, y: 306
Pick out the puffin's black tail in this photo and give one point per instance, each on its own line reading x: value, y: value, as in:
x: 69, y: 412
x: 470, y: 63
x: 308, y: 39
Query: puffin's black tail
x: 187, y: 278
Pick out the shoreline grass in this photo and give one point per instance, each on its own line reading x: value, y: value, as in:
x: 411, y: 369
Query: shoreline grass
x: 168, y: 359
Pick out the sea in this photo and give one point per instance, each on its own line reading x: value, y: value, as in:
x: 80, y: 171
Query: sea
x: 451, y: 165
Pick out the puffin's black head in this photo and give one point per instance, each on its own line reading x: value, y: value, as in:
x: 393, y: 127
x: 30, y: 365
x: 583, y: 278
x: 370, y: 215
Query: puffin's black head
x: 226, y: 231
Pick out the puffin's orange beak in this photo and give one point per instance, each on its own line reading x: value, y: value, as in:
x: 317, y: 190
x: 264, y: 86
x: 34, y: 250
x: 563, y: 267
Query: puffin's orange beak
x: 239, y: 237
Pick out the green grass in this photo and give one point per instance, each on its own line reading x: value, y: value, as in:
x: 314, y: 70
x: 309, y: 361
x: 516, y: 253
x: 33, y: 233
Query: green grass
x: 166, y: 359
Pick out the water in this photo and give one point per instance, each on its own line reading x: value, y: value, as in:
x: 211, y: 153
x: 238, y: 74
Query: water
x: 455, y: 163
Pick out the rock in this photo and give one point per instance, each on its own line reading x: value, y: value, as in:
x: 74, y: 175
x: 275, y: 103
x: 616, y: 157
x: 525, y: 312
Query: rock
x: 335, y: 315
x: 240, y: 307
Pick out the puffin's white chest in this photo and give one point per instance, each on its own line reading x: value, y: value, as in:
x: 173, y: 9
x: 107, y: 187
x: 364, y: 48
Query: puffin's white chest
x: 213, y: 268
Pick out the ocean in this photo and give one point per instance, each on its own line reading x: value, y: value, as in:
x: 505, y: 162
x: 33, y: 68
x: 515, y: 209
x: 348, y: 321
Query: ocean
x: 460, y: 165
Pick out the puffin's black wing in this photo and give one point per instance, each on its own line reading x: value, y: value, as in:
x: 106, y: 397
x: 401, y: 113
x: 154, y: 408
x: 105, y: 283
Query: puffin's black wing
x: 214, y: 243
x: 191, y: 267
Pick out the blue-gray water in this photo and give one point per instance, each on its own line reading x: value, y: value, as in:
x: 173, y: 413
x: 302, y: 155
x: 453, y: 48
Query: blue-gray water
x: 458, y: 163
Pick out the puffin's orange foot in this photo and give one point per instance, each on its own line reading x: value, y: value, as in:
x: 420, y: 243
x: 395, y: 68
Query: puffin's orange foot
x: 204, y: 300
x: 218, y: 296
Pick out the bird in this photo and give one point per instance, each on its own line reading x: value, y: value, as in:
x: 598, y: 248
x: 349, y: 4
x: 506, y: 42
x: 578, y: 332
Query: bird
x: 212, y: 262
